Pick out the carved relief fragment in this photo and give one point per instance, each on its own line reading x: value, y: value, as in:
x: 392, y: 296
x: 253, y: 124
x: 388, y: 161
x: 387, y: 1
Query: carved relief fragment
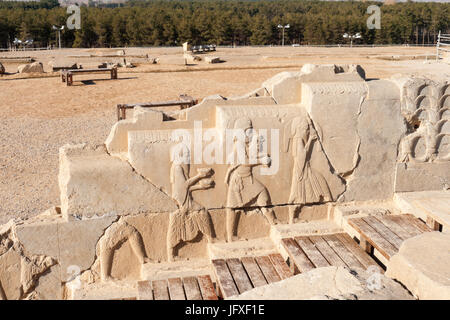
x: 426, y: 108
x: 308, y: 185
x: 115, y: 236
x: 243, y: 188
x: 190, y: 218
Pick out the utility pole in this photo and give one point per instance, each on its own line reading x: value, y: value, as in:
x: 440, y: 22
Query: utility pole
x: 351, y: 37
x: 59, y: 29
x: 283, y: 27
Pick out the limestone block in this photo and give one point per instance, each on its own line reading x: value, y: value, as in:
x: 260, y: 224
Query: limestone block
x: 189, y: 58
x: 422, y: 265
x: 330, y: 283
x: 424, y: 204
x: 334, y: 108
x: 209, y: 59
x: 286, y: 87
x: 422, y: 176
x: 62, y: 64
x: 332, y: 73
x: 379, y: 127
x: 10, y: 272
x: 92, y: 183
x: 35, y: 67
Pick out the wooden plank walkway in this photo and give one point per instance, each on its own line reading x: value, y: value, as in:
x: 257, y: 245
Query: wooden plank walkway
x: 188, y: 288
x: 235, y: 276
x: 387, y: 233
x: 309, y: 252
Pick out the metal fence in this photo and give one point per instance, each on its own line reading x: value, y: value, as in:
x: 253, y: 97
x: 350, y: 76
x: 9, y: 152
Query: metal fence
x: 442, y: 45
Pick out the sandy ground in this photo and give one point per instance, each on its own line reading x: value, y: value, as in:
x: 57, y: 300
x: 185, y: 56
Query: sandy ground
x: 39, y: 114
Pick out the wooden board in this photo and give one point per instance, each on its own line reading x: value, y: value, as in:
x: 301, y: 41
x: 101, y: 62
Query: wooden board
x: 267, y: 269
x: 253, y: 271
x: 396, y: 228
x: 192, y: 289
x: 224, y: 279
x: 239, y: 275
x: 280, y: 266
x: 176, y: 291
x: 160, y: 291
x: 312, y: 252
x: 356, y: 250
x: 297, y: 255
x: 397, y: 219
x: 345, y: 255
x: 373, y: 237
x: 207, y: 288
x: 145, y: 291
x: 409, y: 218
x: 384, y: 231
x: 327, y: 251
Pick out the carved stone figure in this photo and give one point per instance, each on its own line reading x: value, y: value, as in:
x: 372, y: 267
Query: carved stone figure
x: 190, y: 218
x: 243, y: 188
x: 115, y: 236
x: 308, y: 185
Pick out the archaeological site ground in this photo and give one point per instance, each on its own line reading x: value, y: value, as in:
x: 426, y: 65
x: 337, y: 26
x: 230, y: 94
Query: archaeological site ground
x: 242, y: 173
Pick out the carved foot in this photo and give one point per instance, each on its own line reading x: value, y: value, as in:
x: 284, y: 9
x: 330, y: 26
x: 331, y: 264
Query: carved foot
x: 146, y: 260
x: 232, y: 238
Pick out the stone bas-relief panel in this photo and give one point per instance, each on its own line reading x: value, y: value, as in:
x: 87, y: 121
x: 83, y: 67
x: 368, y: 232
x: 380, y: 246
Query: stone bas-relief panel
x: 148, y: 149
x: 309, y: 139
x: 426, y: 108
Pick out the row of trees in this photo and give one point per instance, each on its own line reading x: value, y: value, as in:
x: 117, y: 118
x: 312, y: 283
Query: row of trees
x: 232, y: 22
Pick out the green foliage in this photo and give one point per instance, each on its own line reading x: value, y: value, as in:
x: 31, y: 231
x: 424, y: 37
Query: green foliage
x: 223, y: 22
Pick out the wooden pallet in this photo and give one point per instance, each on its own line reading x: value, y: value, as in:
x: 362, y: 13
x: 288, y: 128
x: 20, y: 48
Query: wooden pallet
x: 339, y: 249
x: 387, y: 233
x: 188, y: 288
x: 235, y: 276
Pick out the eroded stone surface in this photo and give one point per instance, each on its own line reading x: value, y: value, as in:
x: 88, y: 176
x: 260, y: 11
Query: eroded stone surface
x: 330, y: 283
x: 92, y: 183
x: 422, y: 265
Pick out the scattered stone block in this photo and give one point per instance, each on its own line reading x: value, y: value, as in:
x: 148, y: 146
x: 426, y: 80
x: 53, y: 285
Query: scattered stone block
x: 35, y: 67
x: 212, y: 59
x: 62, y: 65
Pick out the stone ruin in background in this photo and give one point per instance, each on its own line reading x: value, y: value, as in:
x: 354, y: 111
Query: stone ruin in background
x: 128, y: 206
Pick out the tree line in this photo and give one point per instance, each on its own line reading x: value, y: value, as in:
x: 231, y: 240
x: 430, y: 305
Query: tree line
x: 222, y: 22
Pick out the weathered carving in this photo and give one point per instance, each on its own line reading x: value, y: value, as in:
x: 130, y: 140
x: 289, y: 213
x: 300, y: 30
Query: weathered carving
x: 190, y: 218
x: 308, y: 185
x: 32, y: 268
x: 115, y: 236
x: 243, y: 188
x: 425, y: 104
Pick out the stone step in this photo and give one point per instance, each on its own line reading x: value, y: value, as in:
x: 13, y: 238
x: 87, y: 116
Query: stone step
x: 430, y: 206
